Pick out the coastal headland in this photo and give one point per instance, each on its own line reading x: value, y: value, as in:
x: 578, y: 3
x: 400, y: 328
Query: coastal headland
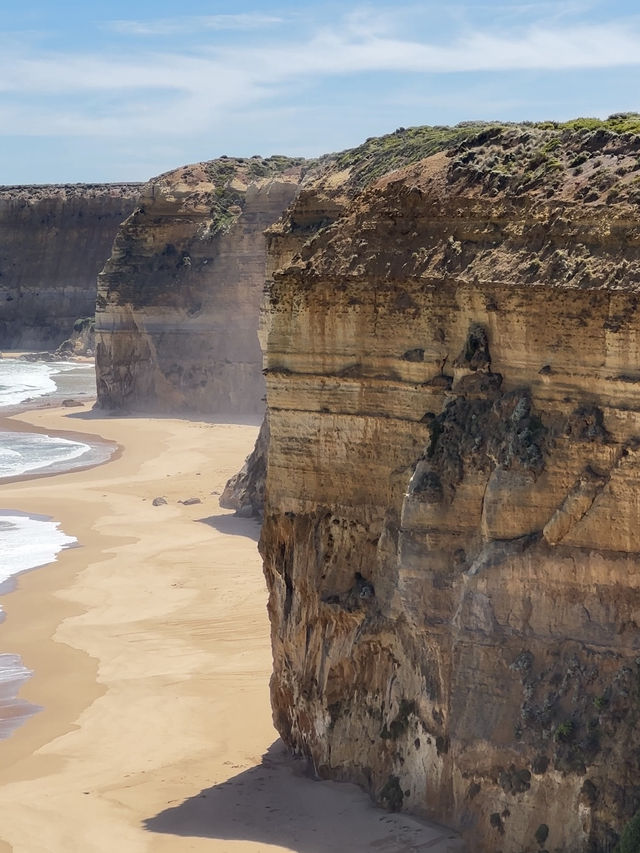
x: 150, y: 649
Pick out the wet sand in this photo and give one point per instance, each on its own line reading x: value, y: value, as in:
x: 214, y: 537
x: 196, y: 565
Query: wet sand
x: 150, y: 647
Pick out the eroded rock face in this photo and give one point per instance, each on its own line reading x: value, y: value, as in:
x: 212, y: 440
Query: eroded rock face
x: 178, y: 301
x: 244, y: 492
x: 452, y: 523
x: 53, y: 242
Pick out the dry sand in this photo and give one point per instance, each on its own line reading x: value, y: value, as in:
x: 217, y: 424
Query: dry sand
x: 150, y: 646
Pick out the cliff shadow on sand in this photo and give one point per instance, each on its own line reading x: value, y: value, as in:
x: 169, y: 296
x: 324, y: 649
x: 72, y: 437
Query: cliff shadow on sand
x: 277, y: 802
x: 233, y: 525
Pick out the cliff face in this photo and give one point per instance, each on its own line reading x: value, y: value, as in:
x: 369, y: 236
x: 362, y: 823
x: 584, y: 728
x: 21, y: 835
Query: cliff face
x: 178, y: 301
x: 452, y: 523
x: 53, y: 242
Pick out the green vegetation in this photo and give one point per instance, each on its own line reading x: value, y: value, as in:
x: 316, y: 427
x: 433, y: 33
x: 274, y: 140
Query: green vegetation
x: 616, y: 123
x: 531, y: 162
x: 227, y: 201
x: 564, y: 731
x: 84, y: 324
x: 382, y: 154
x: 630, y: 838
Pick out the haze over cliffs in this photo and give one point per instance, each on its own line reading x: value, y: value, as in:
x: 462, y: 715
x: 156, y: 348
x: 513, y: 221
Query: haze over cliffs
x: 178, y: 301
x: 450, y: 534
x: 54, y: 240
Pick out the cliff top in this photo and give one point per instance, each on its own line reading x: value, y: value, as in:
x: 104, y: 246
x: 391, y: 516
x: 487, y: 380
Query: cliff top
x: 380, y: 155
x: 38, y: 192
x: 533, y: 204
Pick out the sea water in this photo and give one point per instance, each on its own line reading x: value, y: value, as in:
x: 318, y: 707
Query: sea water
x: 26, y: 542
x: 22, y: 381
x: 25, y: 452
x: 30, y: 541
x: 43, y: 383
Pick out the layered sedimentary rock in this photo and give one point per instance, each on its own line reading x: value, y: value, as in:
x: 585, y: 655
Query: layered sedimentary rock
x: 452, y: 525
x: 53, y: 242
x: 178, y: 301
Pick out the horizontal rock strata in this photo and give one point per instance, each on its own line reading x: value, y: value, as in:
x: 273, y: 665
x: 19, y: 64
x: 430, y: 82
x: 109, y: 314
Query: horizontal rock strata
x: 452, y: 523
x: 178, y: 301
x: 53, y: 242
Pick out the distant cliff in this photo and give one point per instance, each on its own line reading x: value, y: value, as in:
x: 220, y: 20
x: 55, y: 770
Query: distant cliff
x: 179, y: 298
x: 452, y: 525
x: 54, y: 240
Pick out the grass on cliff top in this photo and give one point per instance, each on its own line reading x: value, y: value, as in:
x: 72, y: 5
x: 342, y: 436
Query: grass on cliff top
x: 224, y: 169
x: 383, y: 154
x: 226, y: 200
x: 616, y: 123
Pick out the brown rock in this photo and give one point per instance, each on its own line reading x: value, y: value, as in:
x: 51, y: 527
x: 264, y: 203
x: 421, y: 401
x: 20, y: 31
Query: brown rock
x: 493, y: 516
x: 178, y: 301
x: 54, y: 240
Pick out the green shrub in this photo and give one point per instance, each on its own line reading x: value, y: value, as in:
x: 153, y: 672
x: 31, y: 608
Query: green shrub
x: 630, y: 838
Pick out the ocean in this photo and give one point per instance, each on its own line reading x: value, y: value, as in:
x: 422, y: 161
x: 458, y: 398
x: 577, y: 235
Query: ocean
x: 22, y: 381
x: 31, y: 541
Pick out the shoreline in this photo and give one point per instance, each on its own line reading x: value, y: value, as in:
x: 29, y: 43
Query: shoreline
x: 150, y: 648
x: 97, y: 443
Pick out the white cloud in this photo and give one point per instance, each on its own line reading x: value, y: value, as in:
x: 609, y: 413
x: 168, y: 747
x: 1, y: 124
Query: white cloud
x: 177, y: 94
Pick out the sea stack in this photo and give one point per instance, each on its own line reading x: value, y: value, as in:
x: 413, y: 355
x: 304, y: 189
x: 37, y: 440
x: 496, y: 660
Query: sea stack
x: 179, y: 298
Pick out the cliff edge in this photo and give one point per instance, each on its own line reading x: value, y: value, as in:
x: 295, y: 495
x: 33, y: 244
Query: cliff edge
x: 451, y: 530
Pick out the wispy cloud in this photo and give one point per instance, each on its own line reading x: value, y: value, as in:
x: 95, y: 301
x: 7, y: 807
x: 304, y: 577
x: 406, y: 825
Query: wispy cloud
x: 177, y: 93
x: 193, y: 23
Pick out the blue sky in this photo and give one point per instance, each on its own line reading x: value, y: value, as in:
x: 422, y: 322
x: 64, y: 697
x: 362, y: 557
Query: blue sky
x: 124, y: 90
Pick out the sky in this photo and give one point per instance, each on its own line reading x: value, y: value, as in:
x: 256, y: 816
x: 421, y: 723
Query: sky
x: 122, y: 91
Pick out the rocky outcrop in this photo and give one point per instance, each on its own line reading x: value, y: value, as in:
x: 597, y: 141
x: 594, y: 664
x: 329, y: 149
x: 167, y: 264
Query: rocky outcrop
x: 178, y: 301
x: 451, y: 531
x: 53, y: 242
x: 244, y: 492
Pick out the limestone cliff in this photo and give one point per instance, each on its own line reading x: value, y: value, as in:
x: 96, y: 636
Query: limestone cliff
x: 53, y: 242
x: 452, y: 525
x: 178, y: 301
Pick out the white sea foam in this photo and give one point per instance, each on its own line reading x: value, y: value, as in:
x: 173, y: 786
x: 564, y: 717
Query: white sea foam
x: 21, y: 380
x: 24, y: 452
x: 27, y: 542
x: 13, y: 710
x: 30, y: 380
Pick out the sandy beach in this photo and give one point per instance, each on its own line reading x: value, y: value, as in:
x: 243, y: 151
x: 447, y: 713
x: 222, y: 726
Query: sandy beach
x: 150, y: 647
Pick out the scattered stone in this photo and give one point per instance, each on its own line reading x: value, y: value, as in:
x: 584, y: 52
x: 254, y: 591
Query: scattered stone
x: 69, y: 404
x: 36, y: 356
x: 190, y: 501
x: 159, y: 501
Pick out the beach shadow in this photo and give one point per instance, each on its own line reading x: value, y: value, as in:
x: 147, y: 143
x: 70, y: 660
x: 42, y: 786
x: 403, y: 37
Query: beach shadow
x: 278, y: 803
x: 233, y: 525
